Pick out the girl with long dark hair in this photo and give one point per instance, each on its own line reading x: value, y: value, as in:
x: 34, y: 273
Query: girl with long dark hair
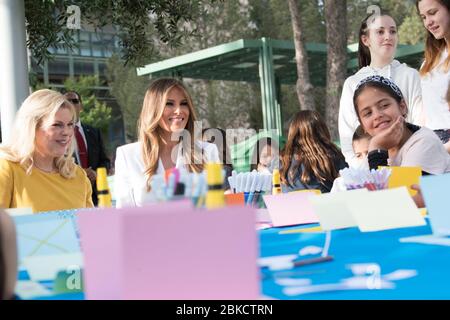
x: 310, y: 160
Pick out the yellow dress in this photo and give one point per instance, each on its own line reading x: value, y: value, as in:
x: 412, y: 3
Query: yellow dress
x: 42, y: 191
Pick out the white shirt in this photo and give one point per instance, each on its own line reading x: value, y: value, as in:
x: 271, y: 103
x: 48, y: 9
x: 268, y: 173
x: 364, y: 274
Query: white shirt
x: 406, y: 78
x: 434, y: 91
x: 130, y: 181
x: 80, y: 128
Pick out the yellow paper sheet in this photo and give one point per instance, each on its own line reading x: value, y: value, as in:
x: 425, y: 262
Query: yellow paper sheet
x: 405, y: 176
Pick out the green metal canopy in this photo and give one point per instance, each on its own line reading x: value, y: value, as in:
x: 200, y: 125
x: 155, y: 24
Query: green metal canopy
x: 267, y: 61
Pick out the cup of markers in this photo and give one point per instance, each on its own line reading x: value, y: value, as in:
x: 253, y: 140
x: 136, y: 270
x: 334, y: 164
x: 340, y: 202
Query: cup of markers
x: 175, y: 184
x: 253, y: 185
x: 364, y: 178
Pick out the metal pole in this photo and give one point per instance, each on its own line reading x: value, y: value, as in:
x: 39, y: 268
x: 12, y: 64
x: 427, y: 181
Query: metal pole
x: 268, y: 90
x: 265, y: 110
x: 14, y: 83
x: 279, y: 124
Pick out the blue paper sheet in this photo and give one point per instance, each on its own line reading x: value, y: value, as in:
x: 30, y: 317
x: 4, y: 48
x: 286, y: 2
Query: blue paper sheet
x: 435, y: 191
x: 47, y: 233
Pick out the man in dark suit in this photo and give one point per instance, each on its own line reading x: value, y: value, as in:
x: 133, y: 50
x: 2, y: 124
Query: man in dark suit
x: 90, y: 151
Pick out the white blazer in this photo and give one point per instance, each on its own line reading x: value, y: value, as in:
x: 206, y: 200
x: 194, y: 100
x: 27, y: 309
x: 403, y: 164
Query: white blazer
x: 130, y: 181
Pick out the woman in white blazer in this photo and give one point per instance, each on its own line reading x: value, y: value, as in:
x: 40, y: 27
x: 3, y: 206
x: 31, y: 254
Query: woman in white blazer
x: 165, y: 140
x: 377, y: 46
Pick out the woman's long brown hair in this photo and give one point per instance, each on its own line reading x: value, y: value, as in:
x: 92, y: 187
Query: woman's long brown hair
x: 434, y: 47
x: 309, y: 142
x: 149, y: 131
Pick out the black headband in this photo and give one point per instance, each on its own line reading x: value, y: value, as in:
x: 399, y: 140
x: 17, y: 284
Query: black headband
x: 384, y: 81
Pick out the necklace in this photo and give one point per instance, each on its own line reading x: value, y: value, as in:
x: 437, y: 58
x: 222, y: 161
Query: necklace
x: 53, y: 170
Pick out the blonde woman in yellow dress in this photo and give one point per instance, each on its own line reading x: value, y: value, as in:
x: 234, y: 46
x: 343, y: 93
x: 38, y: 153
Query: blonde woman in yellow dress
x: 37, y: 169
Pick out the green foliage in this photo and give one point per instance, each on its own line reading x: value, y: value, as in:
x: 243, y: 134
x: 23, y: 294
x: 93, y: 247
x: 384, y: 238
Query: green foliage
x: 356, y: 12
x: 135, y: 20
x: 272, y: 19
x: 129, y: 91
x: 83, y: 85
x: 94, y: 112
x: 46, y: 26
x: 401, y: 11
x: 412, y: 31
x: 313, y: 19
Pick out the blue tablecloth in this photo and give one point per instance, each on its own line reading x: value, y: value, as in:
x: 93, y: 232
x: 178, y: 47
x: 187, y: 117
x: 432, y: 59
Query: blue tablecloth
x: 350, y: 246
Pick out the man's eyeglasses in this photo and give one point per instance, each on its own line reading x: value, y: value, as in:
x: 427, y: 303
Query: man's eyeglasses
x: 74, y: 101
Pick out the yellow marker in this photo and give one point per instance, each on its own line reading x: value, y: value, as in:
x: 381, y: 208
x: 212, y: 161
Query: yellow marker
x: 316, y: 191
x: 215, y: 197
x: 276, y: 182
x: 423, y: 212
x: 405, y: 176
x: 302, y: 230
x: 103, y: 194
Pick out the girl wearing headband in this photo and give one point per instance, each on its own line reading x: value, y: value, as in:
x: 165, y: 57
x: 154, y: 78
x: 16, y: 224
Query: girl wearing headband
x: 382, y: 110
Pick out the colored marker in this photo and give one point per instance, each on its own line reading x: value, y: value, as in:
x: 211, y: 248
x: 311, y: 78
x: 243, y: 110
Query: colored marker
x: 276, y: 182
x: 103, y: 194
x: 215, y: 195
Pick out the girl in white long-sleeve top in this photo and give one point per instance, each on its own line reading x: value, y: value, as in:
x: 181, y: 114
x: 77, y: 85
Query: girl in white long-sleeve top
x: 377, y: 46
x: 167, y: 117
x: 435, y: 71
